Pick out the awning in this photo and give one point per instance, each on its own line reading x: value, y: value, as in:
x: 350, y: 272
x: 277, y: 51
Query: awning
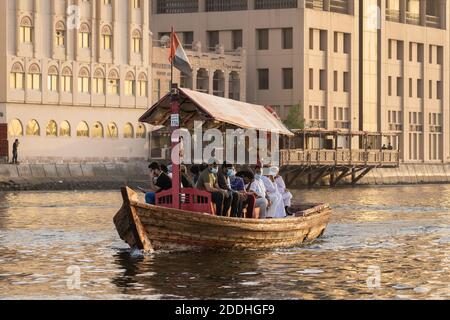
x: 195, y: 105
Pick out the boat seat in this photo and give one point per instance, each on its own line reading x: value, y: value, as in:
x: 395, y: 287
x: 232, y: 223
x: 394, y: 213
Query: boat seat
x: 191, y: 200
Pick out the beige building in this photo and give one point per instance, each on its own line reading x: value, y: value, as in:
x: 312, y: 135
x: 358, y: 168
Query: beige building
x: 380, y: 67
x: 75, y: 77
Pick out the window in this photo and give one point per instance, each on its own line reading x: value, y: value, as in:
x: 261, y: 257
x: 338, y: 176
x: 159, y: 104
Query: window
x: 128, y: 131
x: 346, y: 81
x: 399, y: 50
x: 399, y: 87
x: 430, y: 89
x: 389, y: 86
x: 137, y: 41
x: 311, y: 79
x: 60, y: 34
x: 263, y: 39
x: 311, y: 39
x: 323, y: 40
x: 347, y: 43
x: 15, y: 128
x: 66, y: 80
x: 410, y: 87
x: 287, y: 38
x: 34, y: 78
x: 64, y: 129
x: 237, y: 39
x: 142, y: 85
x: 33, y: 129
x: 439, y: 91
x: 106, y: 38
x: 107, y: 2
x: 419, y: 88
x: 322, y: 80
x: 16, y: 76
x: 129, y: 84
x: 52, y: 83
x: 84, y: 37
x: 83, y: 81
x: 97, y: 130
x: 336, y: 81
x: 141, y: 132
x: 213, y: 40
x: 83, y: 130
x: 188, y: 39
x: 99, y: 82
x: 263, y: 79
x: 288, y: 82
x: 52, y: 129
x: 136, y: 4
x: 113, y: 82
x: 112, y: 131
x: 26, y: 30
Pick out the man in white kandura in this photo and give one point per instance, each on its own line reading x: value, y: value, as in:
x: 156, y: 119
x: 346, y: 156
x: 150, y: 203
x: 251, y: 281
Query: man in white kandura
x: 276, y: 209
x: 287, y: 196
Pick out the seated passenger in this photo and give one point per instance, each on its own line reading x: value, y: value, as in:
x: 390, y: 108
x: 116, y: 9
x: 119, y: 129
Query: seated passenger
x: 255, y: 188
x: 287, y: 196
x: 276, y: 209
x: 225, y: 172
x: 186, y: 181
x: 207, y: 181
x: 159, y: 181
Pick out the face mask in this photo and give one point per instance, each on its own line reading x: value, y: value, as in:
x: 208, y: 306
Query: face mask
x: 231, y: 173
x: 214, y: 170
x: 258, y: 177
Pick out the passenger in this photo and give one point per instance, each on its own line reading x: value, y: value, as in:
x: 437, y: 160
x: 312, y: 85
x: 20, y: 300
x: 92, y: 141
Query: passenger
x: 390, y: 147
x: 276, y: 209
x: 248, y: 199
x: 255, y: 187
x: 207, y: 181
x: 384, y: 147
x: 287, y: 196
x: 225, y: 172
x: 159, y: 181
x: 186, y: 180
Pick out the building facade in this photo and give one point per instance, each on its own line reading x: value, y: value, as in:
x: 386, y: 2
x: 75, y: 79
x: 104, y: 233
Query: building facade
x: 75, y: 77
x: 372, y: 65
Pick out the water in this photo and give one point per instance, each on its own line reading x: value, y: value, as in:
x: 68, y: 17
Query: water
x: 382, y: 243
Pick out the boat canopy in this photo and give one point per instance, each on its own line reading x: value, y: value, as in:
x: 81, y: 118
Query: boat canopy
x: 197, y: 106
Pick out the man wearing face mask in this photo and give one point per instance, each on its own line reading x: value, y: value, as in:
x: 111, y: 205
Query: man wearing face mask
x: 207, y: 181
x: 226, y: 172
x: 159, y: 181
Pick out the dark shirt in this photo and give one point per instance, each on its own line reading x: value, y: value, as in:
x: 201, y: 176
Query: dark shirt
x: 185, y: 181
x: 223, y: 181
x: 206, y: 177
x: 164, y: 182
x: 15, y: 146
x: 237, y: 184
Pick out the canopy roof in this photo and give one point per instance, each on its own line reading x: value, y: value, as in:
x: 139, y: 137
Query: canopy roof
x: 197, y: 106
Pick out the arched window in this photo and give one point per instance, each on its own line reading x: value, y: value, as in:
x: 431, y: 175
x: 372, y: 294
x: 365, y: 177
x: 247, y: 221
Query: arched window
x: 129, y: 84
x: 33, y: 128
x: 141, y: 131
x: 52, y: 129
x: 203, y: 80
x: 15, y: 128
x: 113, y: 82
x: 16, y: 76
x: 128, y: 131
x: 26, y: 30
x: 34, y: 77
x: 84, y: 36
x: 107, y: 37
x: 99, y: 81
x: 83, y: 130
x: 60, y: 34
x: 97, y: 130
x: 64, y: 129
x: 219, y: 83
x: 142, y: 85
x: 137, y: 41
x: 83, y: 81
x: 113, y: 131
x: 234, y: 86
x: 66, y: 80
x: 52, y: 78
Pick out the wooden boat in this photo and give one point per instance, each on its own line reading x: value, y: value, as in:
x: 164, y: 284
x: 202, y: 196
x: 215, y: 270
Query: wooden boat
x: 150, y: 228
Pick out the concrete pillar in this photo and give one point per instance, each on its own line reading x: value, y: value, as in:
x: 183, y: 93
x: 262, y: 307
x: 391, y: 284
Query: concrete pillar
x: 145, y: 33
x: 95, y: 29
x: 194, y: 78
x: 116, y: 31
x: 251, y: 4
x: 423, y: 13
x: 402, y: 11
x: 226, y: 75
x: 129, y: 30
x: 210, y: 81
x: 37, y: 30
x: 201, y: 5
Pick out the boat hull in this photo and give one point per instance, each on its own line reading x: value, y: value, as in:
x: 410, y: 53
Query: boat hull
x: 151, y: 228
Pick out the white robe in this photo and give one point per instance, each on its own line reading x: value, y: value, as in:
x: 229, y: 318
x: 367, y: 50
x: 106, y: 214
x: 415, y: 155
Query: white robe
x: 287, y: 196
x: 276, y: 210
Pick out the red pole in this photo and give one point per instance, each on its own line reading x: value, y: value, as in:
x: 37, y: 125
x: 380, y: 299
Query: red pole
x: 175, y: 124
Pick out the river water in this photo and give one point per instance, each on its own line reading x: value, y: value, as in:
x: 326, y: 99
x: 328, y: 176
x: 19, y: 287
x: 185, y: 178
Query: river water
x: 382, y: 243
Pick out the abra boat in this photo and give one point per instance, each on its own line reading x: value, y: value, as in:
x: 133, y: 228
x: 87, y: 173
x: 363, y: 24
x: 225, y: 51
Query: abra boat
x: 183, y: 218
x: 148, y: 227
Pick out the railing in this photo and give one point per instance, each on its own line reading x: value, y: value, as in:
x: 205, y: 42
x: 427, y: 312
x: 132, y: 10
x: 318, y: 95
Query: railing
x: 395, y: 127
x: 393, y: 15
x: 314, y: 4
x: 176, y: 6
x: 412, y: 18
x: 433, y: 21
x: 226, y: 5
x: 275, y: 4
x: 342, y: 124
x: 300, y: 157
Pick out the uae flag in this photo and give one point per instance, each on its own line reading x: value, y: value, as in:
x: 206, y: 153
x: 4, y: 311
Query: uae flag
x: 178, y: 56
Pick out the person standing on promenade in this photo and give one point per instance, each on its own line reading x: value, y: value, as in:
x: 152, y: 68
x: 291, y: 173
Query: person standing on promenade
x: 15, y: 151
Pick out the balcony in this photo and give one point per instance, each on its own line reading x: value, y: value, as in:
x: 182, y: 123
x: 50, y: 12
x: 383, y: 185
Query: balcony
x: 416, y: 128
x: 412, y: 18
x: 275, y: 4
x: 395, y: 127
x: 226, y: 5
x: 393, y: 15
x: 339, y: 6
x: 433, y: 22
x: 342, y: 124
x: 436, y: 129
x: 176, y: 6
x: 314, y: 4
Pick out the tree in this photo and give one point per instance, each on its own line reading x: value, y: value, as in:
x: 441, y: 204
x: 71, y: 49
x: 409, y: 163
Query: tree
x: 295, y: 119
